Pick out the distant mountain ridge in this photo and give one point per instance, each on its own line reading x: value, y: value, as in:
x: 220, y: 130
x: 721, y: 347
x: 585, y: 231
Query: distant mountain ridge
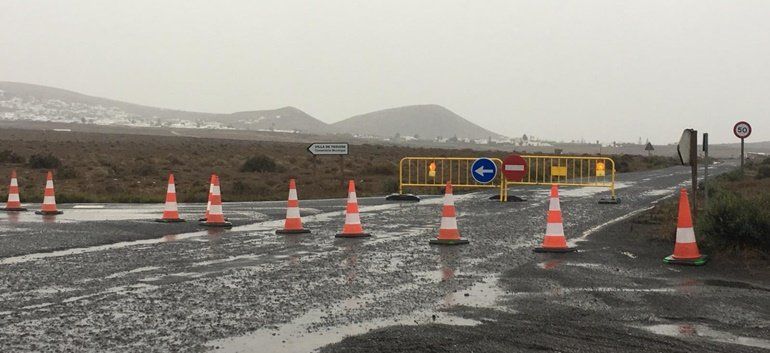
x: 23, y: 101
x: 428, y: 121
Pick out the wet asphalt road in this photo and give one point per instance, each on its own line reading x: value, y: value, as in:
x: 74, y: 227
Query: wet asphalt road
x: 109, y: 279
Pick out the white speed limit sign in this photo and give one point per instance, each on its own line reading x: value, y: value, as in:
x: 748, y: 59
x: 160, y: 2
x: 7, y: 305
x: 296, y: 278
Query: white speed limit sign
x: 742, y: 129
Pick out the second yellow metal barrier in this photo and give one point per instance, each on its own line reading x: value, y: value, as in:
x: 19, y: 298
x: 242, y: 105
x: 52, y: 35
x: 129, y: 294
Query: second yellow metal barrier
x: 568, y: 171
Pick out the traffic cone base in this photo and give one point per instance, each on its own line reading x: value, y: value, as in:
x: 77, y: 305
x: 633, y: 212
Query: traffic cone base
x: 13, y: 209
x: 170, y: 220
x: 203, y: 219
x: 449, y: 241
x: 292, y: 231
x: 699, y: 261
x: 554, y: 250
x: 224, y: 224
x: 49, y: 213
x: 352, y: 235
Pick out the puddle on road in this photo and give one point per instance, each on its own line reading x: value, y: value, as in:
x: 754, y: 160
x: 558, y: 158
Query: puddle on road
x: 661, y: 192
x: 703, y: 331
x: 297, y: 336
x: 74, y: 251
x: 303, y: 334
x: 582, y: 192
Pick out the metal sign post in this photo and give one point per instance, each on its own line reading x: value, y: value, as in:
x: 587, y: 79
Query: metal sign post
x: 742, y: 130
x: 688, y: 154
x: 706, y: 170
x: 694, y: 164
x: 331, y: 149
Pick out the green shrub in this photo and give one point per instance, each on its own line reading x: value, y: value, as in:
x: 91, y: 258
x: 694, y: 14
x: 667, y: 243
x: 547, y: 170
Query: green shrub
x: 145, y: 169
x: 67, y: 172
x: 735, y: 220
x: 763, y: 171
x: 241, y: 188
x: 260, y: 164
x: 381, y: 169
x: 389, y: 185
x: 734, y: 175
x: 8, y: 156
x: 44, y: 161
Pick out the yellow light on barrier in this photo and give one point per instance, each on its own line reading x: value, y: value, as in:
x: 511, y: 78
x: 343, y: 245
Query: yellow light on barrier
x: 558, y: 171
x: 432, y: 170
x: 600, y: 171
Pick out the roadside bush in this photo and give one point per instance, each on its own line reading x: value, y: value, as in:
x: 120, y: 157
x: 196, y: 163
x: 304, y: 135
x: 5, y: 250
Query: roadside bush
x: 389, y: 185
x: 763, y: 171
x: 260, y: 164
x: 381, y: 169
x: 241, y: 188
x: 736, y: 221
x: 44, y: 161
x: 67, y: 172
x: 8, y: 156
x: 734, y: 175
x: 145, y: 169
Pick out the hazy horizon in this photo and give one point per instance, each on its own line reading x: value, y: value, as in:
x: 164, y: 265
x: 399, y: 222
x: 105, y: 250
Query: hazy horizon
x: 565, y: 70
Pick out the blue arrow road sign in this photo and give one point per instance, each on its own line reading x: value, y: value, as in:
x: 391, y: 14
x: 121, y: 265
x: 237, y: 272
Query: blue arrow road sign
x: 483, y: 170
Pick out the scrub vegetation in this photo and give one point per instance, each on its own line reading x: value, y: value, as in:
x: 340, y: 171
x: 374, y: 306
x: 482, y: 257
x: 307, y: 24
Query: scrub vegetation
x: 736, y: 221
x: 95, y: 167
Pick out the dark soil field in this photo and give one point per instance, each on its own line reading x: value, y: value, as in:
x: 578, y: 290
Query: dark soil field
x: 109, y: 167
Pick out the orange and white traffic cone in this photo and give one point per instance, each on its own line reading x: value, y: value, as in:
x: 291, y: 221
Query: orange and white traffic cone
x: 215, y: 217
x: 208, y: 203
x: 13, y: 204
x: 448, y: 234
x: 554, y: 240
x: 293, y: 222
x: 686, y: 249
x: 170, y: 211
x: 49, y: 200
x: 352, y: 227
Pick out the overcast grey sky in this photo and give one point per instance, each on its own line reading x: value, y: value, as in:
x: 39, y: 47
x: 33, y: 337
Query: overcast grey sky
x: 609, y: 70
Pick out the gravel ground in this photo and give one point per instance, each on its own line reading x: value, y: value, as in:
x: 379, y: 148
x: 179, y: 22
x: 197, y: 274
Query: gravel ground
x: 99, y: 280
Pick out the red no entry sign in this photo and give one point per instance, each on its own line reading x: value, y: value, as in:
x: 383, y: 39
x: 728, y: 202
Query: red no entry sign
x: 514, y: 168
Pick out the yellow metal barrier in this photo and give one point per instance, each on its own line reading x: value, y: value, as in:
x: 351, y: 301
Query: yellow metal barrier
x: 437, y: 171
x: 568, y: 171
x: 541, y: 170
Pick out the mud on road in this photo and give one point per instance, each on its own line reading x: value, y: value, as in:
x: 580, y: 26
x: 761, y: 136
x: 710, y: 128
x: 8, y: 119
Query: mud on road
x: 110, y: 280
